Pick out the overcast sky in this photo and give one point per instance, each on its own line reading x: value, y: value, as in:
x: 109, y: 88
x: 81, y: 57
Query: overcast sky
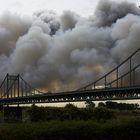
x: 28, y: 7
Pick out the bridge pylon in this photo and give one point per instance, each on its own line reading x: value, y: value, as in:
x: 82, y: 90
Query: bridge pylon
x: 14, y: 86
x: 10, y: 86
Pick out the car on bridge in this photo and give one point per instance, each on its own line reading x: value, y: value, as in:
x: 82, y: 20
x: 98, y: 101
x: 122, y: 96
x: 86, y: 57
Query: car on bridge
x: 100, y: 87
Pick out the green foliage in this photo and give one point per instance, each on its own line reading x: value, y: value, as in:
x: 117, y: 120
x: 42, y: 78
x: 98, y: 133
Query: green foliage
x: 70, y: 122
x: 103, y: 114
x: 101, y: 104
x: 121, y: 106
x: 68, y: 130
x: 54, y: 113
x: 112, y: 105
x: 71, y: 112
x: 89, y: 110
x: 1, y: 107
x: 37, y: 113
x: 89, y: 105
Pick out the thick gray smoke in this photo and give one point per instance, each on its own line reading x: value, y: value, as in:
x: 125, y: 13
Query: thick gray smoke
x: 68, y: 51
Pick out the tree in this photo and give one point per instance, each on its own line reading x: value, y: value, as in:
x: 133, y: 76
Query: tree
x: 54, y: 113
x: 112, y: 105
x: 36, y: 113
x: 121, y: 106
x: 89, y: 105
x: 101, y: 104
x: 103, y: 114
x: 89, y: 109
x: 71, y: 112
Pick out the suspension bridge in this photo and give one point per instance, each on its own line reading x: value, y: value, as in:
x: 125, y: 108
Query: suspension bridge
x: 121, y: 83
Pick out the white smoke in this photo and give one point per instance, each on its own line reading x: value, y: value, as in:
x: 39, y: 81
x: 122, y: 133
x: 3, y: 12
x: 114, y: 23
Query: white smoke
x: 68, y: 51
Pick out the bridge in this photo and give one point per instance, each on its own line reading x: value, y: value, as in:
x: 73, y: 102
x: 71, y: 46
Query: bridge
x: 121, y: 83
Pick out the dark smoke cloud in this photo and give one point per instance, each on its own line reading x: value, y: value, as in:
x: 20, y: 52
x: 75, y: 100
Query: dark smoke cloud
x: 108, y: 12
x: 11, y: 28
x: 69, y: 20
x: 67, y: 51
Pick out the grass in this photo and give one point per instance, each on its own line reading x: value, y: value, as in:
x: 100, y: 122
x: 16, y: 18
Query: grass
x: 125, y: 125
x: 68, y: 130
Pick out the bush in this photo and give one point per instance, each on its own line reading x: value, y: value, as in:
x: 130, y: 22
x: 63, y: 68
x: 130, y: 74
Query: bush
x: 121, y: 106
x: 71, y: 112
x: 101, y: 104
x: 89, y: 105
x: 103, y: 114
x: 37, y: 113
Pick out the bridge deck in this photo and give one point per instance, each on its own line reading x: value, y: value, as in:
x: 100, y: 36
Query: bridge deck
x: 77, y: 96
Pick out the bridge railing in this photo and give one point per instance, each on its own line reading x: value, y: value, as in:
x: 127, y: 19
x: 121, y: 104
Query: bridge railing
x: 122, y: 83
x: 115, y: 78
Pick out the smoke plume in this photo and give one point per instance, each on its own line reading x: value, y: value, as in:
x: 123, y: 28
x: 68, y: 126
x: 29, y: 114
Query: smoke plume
x: 64, y: 52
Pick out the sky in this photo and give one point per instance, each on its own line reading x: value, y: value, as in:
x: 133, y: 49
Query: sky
x: 53, y: 42
x: 53, y: 48
x: 28, y: 7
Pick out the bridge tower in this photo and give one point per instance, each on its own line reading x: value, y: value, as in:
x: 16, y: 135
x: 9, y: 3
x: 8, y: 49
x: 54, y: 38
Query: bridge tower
x: 10, y: 88
x: 12, y: 85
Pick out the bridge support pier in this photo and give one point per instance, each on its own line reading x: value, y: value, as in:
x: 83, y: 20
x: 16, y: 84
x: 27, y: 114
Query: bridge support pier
x: 12, y: 114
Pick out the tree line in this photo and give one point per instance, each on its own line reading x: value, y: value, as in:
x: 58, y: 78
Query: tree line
x: 119, y: 106
x: 101, y: 113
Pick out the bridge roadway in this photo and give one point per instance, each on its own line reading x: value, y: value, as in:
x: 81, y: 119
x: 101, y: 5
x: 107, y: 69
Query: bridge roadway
x: 125, y: 93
